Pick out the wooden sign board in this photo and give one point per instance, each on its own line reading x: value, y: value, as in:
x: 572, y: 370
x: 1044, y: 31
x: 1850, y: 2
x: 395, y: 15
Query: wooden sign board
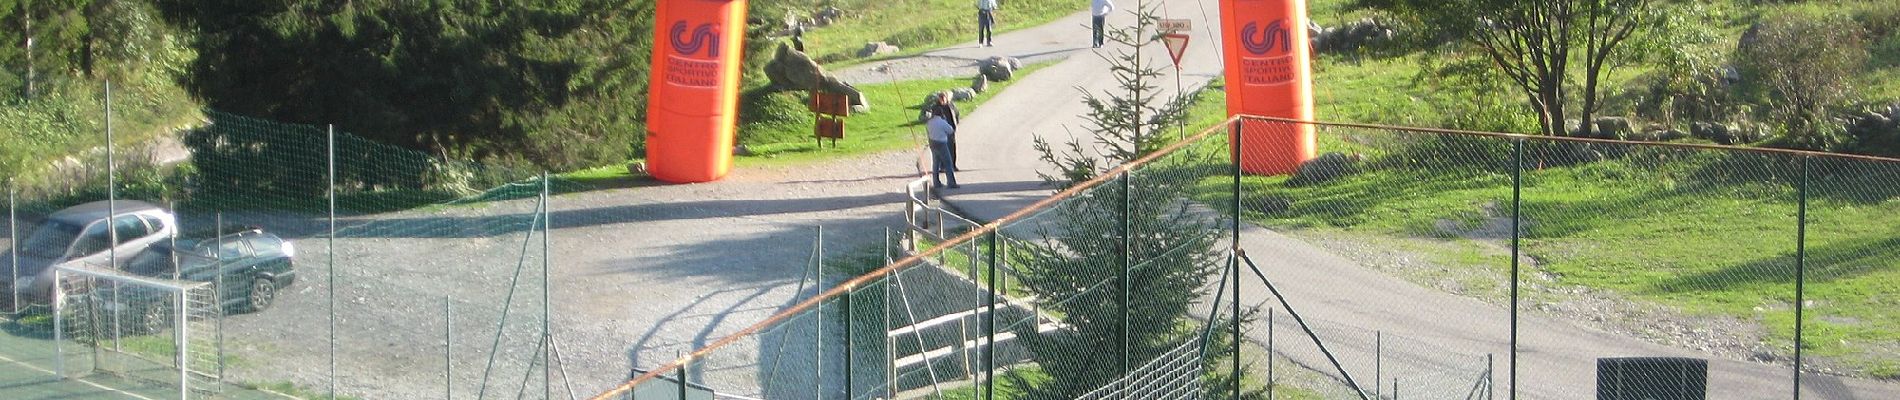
x: 835, y: 104
x: 829, y: 128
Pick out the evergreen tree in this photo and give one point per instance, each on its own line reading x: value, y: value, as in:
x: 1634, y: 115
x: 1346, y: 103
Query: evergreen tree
x: 1138, y: 239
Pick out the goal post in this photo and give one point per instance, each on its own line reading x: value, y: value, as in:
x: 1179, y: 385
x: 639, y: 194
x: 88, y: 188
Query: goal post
x: 147, y: 330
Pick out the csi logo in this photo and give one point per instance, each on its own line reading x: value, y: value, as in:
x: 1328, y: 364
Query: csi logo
x: 702, y: 37
x: 1266, y: 38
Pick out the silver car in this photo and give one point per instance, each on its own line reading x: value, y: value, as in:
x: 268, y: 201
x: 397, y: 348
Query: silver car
x: 79, y: 235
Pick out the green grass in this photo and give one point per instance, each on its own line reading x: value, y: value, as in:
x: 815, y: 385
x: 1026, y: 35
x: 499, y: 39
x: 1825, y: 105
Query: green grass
x: 1006, y: 384
x: 69, y: 118
x: 1708, y: 233
x: 891, y: 124
x: 922, y: 25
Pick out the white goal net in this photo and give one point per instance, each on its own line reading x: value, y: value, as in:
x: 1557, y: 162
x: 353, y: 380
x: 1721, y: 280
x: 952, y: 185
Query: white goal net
x: 153, y: 331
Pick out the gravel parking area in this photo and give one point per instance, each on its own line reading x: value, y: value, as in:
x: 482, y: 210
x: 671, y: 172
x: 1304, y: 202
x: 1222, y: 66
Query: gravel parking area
x: 638, y: 276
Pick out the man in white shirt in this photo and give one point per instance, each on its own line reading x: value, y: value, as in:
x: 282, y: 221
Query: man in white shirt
x: 940, y: 164
x: 985, y: 21
x: 1100, y: 10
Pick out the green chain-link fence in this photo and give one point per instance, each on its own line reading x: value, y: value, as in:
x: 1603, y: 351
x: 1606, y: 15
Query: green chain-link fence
x: 1401, y: 263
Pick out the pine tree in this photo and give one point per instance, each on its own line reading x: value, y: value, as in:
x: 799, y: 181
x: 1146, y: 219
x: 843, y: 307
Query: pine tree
x: 1135, y: 238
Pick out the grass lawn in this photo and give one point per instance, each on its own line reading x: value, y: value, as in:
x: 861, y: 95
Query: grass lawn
x: 890, y: 125
x: 1708, y: 233
x: 921, y: 25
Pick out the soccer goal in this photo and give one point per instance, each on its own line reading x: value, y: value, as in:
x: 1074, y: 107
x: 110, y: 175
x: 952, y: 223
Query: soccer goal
x: 150, y: 331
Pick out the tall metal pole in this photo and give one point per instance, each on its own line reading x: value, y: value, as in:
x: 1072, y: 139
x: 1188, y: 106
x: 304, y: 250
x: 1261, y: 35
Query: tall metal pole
x: 547, y: 305
x: 112, y: 214
x: 1271, y: 373
x: 1240, y: 137
x: 178, y: 338
x: 448, y: 347
x: 818, y: 324
x: 13, y: 239
x: 850, y: 317
x: 989, y: 321
x: 1128, y: 267
x: 1800, y: 270
x: 1517, y: 234
x: 331, y: 193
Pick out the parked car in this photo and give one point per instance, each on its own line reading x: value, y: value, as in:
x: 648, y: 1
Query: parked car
x: 79, y: 235
x: 248, y: 267
x: 252, y: 265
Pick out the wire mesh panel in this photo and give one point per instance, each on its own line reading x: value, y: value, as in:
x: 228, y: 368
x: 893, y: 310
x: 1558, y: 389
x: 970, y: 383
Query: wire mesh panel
x: 1850, y: 333
x: 1675, y: 252
x: 1387, y: 233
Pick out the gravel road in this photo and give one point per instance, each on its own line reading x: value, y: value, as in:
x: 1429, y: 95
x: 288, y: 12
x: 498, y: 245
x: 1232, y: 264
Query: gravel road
x: 639, y: 275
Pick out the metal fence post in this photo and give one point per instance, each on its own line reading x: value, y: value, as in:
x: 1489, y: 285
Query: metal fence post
x: 1378, y: 360
x: 547, y: 297
x: 331, y: 261
x: 59, y: 330
x: 681, y: 374
x: 850, y: 316
x: 179, y: 317
x: 818, y: 324
x: 448, y: 347
x: 1128, y: 266
x: 112, y: 214
x: 1800, y: 269
x: 1239, y: 138
x: 1517, y: 218
x: 1271, y: 373
x: 989, y: 350
x: 13, y: 239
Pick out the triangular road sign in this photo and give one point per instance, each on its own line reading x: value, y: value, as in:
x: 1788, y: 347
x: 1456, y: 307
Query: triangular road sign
x: 1177, y: 45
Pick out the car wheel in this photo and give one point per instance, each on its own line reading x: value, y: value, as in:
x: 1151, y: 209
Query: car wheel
x: 263, y: 292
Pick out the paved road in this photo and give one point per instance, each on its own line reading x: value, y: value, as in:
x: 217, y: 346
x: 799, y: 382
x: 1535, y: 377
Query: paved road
x: 1557, y: 358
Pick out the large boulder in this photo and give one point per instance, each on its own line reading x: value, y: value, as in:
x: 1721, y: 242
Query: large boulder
x: 874, y: 49
x: 827, y: 16
x: 1612, y: 128
x: 1327, y: 167
x: 962, y: 94
x: 794, y: 70
x: 998, y: 68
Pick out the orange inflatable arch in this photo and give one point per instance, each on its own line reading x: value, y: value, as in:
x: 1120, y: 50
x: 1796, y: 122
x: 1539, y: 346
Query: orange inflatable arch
x: 1269, y: 73
x: 692, y: 105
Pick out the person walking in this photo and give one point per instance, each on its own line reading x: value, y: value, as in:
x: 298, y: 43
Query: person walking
x: 986, y: 22
x: 939, y: 130
x: 1100, y: 10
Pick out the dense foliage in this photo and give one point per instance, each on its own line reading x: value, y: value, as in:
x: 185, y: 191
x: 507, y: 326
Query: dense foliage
x: 554, y: 82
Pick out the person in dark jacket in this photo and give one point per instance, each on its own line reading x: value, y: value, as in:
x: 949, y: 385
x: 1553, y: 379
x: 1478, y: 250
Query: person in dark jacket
x: 948, y: 110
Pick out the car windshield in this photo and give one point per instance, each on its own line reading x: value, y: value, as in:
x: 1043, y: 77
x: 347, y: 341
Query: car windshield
x: 50, y: 240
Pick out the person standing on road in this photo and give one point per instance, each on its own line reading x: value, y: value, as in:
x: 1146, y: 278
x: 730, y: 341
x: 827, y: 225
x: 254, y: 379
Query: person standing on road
x: 947, y: 108
x: 985, y: 21
x: 940, y: 130
x: 1100, y: 10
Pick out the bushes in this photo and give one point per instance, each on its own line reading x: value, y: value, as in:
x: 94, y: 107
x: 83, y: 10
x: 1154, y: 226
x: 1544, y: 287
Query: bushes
x: 1804, y: 64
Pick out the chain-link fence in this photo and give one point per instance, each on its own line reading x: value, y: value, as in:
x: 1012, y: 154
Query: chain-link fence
x: 1400, y: 263
x: 337, y: 263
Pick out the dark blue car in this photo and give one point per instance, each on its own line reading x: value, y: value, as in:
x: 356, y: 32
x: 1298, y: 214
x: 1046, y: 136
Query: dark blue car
x: 253, y: 265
